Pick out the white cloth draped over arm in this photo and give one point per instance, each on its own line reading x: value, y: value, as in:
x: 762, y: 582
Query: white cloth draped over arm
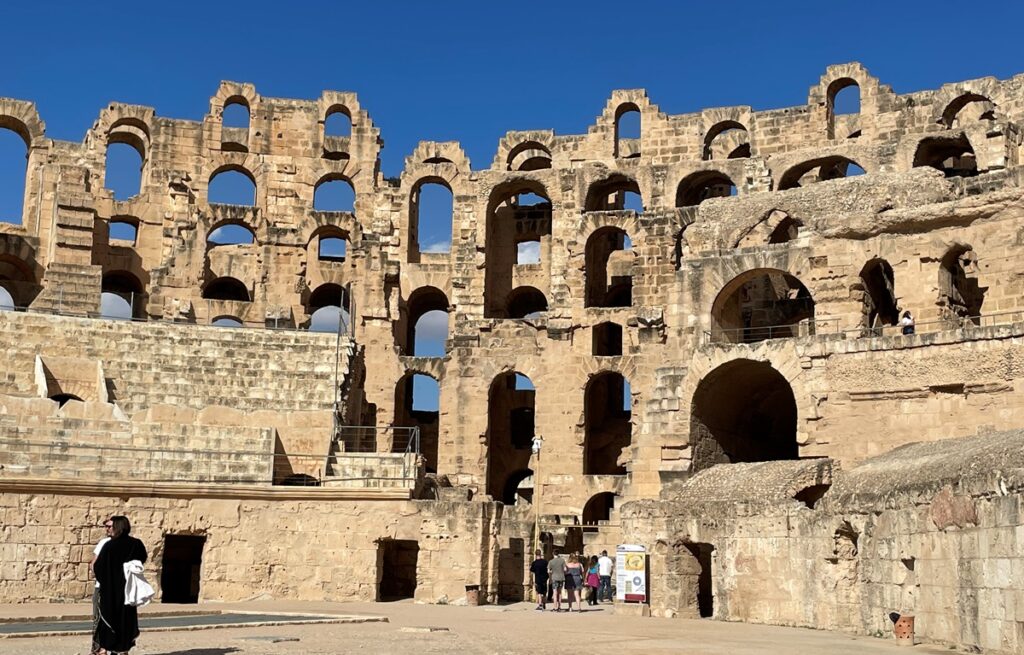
x: 137, y: 592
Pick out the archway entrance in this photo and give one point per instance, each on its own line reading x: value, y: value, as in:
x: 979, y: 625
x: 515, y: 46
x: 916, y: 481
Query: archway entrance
x: 607, y: 424
x: 743, y: 411
x: 762, y: 304
x: 510, y: 430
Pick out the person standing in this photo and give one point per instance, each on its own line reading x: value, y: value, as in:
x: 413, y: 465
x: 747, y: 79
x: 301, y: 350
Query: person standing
x: 556, y: 574
x: 907, y: 323
x: 118, y: 625
x: 604, y: 573
x: 539, y: 571
x: 574, y: 582
x: 95, y: 649
x: 593, y: 580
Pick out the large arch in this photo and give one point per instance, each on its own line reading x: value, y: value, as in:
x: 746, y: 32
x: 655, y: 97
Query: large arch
x: 820, y: 169
x: 226, y: 288
x: 607, y: 423
x: 511, y: 405
x: 422, y: 317
x: 761, y: 304
x: 726, y: 140
x: 14, y: 151
x: 526, y: 302
x: 122, y: 296
x: 742, y: 411
x: 511, y: 221
x: 417, y: 405
x: 431, y: 216
x: 697, y: 187
x: 609, y: 270
x: 879, y: 288
x: 960, y: 295
x: 954, y: 156
x: 614, y: 193
x: 232, y: 185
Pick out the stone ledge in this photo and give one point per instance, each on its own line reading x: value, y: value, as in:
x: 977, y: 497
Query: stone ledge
x: 191, y: 491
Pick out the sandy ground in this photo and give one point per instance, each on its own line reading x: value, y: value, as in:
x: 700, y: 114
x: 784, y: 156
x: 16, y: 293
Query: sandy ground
x: 423, y: 629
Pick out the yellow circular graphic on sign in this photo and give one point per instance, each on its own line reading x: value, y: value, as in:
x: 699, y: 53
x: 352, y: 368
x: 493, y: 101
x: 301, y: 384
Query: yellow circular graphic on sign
x: 634, y: 562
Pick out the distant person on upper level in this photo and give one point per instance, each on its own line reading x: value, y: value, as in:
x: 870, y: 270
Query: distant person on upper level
x: 907, y: 323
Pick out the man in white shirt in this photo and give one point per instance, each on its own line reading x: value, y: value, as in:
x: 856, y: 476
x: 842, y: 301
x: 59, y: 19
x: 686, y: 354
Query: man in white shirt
x: 604, y: 572
x: 96, y: 589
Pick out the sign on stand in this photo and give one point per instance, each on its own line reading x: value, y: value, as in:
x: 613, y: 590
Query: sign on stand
x: 631, y: 573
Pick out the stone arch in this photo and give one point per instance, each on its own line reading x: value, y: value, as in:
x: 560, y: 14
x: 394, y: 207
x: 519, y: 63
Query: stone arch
x: 761, y: 304
x: 607, y: 423
x: 19, y: 191
x: 743, y: 411
x: 627, y: 147
x: 609, y: 194
x: 526, y: 302
x: 608, y: 269
x: 409, y: 415
x: 952, y: 155
x: 234, y: 168
x: 697, y: 187
x: 774, y: 227
x: 513, y: 487
x: 414, y: 218
x: 729, y: 138
x: 19, y: 271
x: 421, y: 302
x: 226, y: 288
x: 877, y: 283
x: 528, y: 156
x: 511, y: 407
x: 122, y: 295
x: 960, y: 296
x: 349, y: 205
x: 951, y: 112
x: 597, y: 508
x: 819, y: 169
x: 833, y: 90
x: 508, y: 224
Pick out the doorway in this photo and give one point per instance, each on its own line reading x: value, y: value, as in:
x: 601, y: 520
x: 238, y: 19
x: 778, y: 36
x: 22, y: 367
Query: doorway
x: 180, y: 573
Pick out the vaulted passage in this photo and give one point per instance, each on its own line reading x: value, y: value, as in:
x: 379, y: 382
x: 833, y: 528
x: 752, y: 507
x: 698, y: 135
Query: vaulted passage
x: 743, y: 411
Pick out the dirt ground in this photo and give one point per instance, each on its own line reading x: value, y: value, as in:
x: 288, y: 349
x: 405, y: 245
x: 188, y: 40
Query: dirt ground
x: 425, y: 629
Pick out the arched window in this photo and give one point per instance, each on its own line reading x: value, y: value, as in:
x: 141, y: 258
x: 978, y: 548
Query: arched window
x: 968, y: 108
x: 123, y: 173
x: 609, y: 269
x: 821, y: 169
x: 13, y: 169
x: 960, y: 295
x: 426, y: 318
x: 334, y: 194
x: 430, y: 218
x: 6, y: 300
x: 843, y: 98
x: 232, y: 186
x: 726, y: 140
x: 526, y: 302
x: 226, y: 321
x: 742, y: 411
x: 597, y: 509
x: 518, y: 212
x: 698, y: 187
x: 628, y: 130
x: 879, y: 288
x: 417, y: 404
x: 511, y: 406
x: 953, y: 156
x: 235, y: 125
x: 230, y: 234
x: 332, y: 248
x: 338, y: 122
x: 226, y: 288
x: 529, y: 156
x: 761, y: 304
x: 121, y: 296
x: 123, y: 229
x: 328, y: 308
x: 614, y: 194
x: 607, y: 412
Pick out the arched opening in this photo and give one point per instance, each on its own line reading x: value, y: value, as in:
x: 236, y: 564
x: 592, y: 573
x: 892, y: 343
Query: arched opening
x: 122, y: 296
x: 819, y: 170
x: 232, y: 186
x: 230, y: 234
x: 787, y: 230
x: 334, y: 194
x: 226, y: 288
x: 6, y: 300
x: 726, y: 140
x: 518, y: 488
x: 431, y: 207
x: 762, y: 304
x: 968, y: 108
x: 743, y: 411
x: 960, y: 295
x: 843, y: 107
x: 18, y: 281
x: 616, y: 193
x: 607, y: 340
x: 598, y: 508
x: 608, y: 430
x: 328, y: 309
x: 511, y: 404
x: 122, y: 229
x: 338, y: 122
x: 417, y: 404
x: 526, y: 302
x: 13, y: 171
x: 879, y: 289
x: 331, y: 248
x: 518, y: 212
x: 425, y: 323
x: 529, y: 156
x: 953, y: 156
x: 698, y: 187
x: 628, y: 129
x: 123, y: 173
x: 609, y: 269
x: 235, y: 125
x: 226, y: 322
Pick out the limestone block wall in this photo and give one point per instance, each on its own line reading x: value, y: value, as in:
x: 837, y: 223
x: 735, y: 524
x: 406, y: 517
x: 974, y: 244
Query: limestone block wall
x: 299, y: 549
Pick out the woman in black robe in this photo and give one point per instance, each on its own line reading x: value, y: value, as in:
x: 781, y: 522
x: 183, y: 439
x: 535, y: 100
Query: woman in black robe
x: 119, y: 623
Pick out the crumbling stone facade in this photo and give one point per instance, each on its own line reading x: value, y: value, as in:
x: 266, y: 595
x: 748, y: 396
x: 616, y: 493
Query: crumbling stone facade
x: 722, y: 289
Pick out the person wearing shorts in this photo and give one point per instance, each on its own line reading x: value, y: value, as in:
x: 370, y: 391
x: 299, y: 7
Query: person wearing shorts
x: 539, y: 571
x: 556, y: 574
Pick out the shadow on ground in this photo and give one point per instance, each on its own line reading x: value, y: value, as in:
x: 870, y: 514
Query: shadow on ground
x: 204, y: 651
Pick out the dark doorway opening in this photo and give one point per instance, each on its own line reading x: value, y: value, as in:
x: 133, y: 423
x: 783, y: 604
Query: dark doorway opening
x: 180, y: 573
x: 607, y: 340
x: 705, y: 592
x: 397, y: 560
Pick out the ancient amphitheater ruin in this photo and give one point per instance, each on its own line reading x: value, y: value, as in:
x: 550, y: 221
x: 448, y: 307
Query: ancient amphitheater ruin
x: 700, y: 325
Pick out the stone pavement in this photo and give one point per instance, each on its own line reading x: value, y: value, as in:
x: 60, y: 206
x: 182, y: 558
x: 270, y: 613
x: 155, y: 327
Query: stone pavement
x: 426, y: 629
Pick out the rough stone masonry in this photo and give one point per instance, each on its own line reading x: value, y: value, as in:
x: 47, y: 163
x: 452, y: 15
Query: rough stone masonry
x: 701, y: 316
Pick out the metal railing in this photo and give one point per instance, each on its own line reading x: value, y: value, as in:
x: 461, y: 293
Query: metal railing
x: 368, y: 440
x: 830, y: 326
x: 76, y: 461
